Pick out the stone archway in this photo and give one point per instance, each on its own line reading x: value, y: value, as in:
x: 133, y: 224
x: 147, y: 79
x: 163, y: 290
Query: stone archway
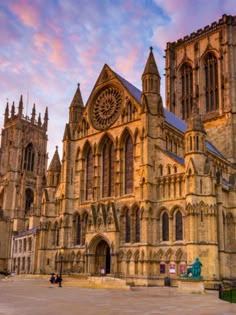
x: 102, y: 257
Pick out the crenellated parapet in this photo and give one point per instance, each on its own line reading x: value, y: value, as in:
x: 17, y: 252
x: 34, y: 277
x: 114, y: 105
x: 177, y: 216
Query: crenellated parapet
x: 224, y: 20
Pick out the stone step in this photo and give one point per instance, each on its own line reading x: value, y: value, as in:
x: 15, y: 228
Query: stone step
x: 97, y: 282
x: 78, y: 281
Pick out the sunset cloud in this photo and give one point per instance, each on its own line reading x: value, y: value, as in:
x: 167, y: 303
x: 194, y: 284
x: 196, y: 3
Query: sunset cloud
x: 47, y: 47
x: 27, y: 12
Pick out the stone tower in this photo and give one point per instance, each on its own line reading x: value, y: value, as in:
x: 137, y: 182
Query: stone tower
x: 201, y: 66
x: 23, y: 163
x: 200, y: 196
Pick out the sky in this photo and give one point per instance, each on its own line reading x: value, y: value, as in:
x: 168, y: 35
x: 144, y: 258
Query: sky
x: 47, y: 47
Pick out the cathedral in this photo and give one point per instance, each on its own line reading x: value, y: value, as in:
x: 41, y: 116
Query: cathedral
x: 142, y: 188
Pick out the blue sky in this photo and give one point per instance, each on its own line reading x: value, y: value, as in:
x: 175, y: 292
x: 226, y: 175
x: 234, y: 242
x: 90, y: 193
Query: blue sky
x: 48, y: 46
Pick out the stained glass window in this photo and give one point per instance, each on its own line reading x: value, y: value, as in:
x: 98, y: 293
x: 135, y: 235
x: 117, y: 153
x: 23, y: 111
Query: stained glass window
x: 89, y: 174
x: 211, y: 82
x: 108, y: 169
x: 137, y: 225
x: 29, y: 158
x: 165, y: 227
x: 129, y: 165
x: 127, y: 227
x: 179, y: 226
x: 187, y: 90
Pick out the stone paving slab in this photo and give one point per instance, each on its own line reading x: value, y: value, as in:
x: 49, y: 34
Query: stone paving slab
x: 38, y: 297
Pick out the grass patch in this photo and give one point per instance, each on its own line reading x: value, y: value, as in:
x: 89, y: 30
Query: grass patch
x: 229, y: 295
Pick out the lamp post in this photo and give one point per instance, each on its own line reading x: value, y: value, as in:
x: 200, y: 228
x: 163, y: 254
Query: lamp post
x: 60, y: 275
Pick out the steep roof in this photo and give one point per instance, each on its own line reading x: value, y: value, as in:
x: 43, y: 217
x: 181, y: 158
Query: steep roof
x: 130, y: 87
x: 151, y: 66
x: 170, y: 118
x: 175, y: 156
x: 77, y: 100
x: 55, y: 164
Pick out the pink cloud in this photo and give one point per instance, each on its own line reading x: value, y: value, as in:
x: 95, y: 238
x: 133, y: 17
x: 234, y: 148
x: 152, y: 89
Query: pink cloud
x: 40, y: 41
x: 4, y: 63
x: 88, y: 57
x: 52, y: 48
x: 126, y: 63
x: 75, y: 37
x: 185, y: 16
x: 26, y: 11
x: 58, y: 55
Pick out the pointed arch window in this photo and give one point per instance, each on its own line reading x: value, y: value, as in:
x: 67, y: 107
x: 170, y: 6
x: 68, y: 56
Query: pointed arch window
x: 89, y: 175
x: 77, y: 160
x: 29, y: 155
x: 211, y: 82
x: 127, y: 226
x: 108, y: 161
x: 137, y: 225
x: 84, y: 225
x: 77, y: 229
x: 179, y: 226
x: 29, y: 198
x: 57, y: 235
x: 129, y: 168
x: 187, y: 90
x: 165, y: 227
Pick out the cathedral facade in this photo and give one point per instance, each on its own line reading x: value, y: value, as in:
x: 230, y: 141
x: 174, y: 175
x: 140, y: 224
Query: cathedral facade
x: 142, y: 189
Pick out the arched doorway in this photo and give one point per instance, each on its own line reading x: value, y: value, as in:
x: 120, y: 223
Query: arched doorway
x: 102, y: 257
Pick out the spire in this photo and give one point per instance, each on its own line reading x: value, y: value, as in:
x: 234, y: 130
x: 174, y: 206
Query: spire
x: 39, y: 120
x: 33, y: 114
x: 67, y: 135
x: 6, y: 113
x: 13, y: 110
x: 151, y: 66
x: 20, y: 108
x: 76, y: 106
x: 194, y: 123
x: 151, y: 81
x: 45, y: 120
x: 55, y: 165
x: 54, y: 170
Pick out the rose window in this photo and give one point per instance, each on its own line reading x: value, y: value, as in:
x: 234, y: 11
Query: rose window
x: 106, y: 108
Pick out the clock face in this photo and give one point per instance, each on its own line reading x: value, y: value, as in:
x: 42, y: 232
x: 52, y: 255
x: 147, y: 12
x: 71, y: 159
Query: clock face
x: 106, y: 108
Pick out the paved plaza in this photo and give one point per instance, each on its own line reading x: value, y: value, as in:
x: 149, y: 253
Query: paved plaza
x: 38, y: 297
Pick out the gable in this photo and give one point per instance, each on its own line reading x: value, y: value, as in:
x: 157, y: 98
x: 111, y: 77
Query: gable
x: 112, y: 102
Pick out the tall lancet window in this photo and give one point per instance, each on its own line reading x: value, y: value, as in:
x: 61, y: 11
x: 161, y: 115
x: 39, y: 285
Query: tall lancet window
x: 108, y: 160
x: 211, y: 81
x: 187, y: 90
x: 127, y: 226
x: 89, y: 174
x: 77, y: 229
x: 29, y: 158
x: 29, y: 199
x: 165, y: 227
x: 129, y: 165
x: 137, y: 225
x: 178, y: 226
